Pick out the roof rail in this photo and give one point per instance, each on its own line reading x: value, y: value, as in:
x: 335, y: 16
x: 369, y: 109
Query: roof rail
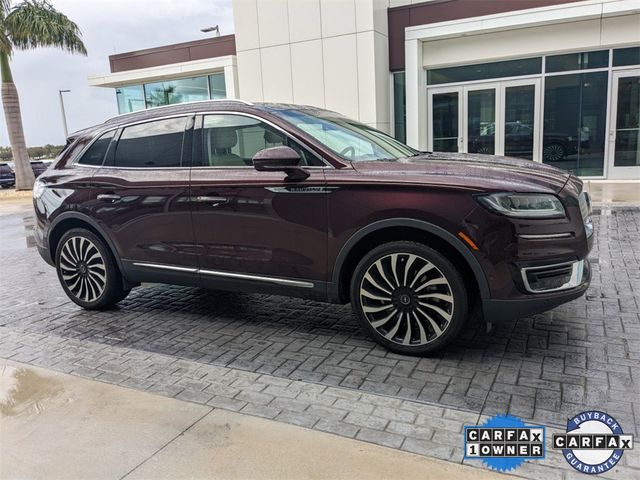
x: 244, y: 102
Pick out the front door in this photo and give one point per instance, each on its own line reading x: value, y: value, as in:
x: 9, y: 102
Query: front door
x: 252, y: 225
x: 496, y: 118
x: 624, y: 126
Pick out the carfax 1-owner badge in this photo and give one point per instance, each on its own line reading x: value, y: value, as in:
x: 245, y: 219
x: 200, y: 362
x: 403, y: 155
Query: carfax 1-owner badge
x: 594, y: 442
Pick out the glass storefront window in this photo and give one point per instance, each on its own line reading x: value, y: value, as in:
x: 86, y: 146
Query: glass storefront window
x: 176, y: 91
x: 626, y: 56
x: 130, y: 98
x: 575, y: 114
x: 217, y: 87
x: 399, y: 107
x: 577, y: 61
x: 484, y: 71
x: 519, y: 118
x: 627, y: 147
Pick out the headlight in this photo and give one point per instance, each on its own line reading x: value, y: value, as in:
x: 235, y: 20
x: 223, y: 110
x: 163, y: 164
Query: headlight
x: 38, y: 189
x: 523, y: 205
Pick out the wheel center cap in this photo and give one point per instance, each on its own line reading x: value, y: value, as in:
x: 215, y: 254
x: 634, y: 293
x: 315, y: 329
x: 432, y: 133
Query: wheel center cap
x: 404, y: 299
x: 83, y: 268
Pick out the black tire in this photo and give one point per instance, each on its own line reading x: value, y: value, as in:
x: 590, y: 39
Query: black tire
x: 7, y: 185
x: 409, y: 298
x: 87, y: 270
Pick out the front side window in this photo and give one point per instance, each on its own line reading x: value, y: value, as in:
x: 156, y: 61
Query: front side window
x: 349, y: 139
x: 152, y: 144
x: 233, y: 140
x: 96, y: 152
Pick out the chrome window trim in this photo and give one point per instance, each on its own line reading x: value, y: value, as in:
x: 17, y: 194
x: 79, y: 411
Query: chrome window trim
x: 239, y: 276
x: 577, y: 272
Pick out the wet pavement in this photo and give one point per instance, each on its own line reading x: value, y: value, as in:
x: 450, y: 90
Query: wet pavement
x: 106, y: 431
x: 542, y: 368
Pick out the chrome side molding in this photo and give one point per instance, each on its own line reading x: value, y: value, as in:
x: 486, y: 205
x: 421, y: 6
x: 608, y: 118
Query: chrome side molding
x: 237, y: 276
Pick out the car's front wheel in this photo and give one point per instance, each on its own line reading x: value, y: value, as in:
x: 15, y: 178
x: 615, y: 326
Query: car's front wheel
x: 409, y: 297
x: 87, y: 271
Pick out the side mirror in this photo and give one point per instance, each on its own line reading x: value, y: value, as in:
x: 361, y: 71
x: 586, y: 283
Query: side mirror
x: 280, y: 159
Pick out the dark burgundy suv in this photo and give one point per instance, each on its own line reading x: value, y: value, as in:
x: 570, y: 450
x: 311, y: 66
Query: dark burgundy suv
x: 298, y: 201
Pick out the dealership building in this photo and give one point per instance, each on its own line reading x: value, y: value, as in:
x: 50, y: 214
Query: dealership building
x: 547, y: 80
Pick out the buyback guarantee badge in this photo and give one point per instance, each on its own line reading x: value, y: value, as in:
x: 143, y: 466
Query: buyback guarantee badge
x: 594, y: 442
x: 504, y: 442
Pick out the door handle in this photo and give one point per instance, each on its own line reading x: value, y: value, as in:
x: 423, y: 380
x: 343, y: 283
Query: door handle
x: 214, y: 201
x: 108, y: 197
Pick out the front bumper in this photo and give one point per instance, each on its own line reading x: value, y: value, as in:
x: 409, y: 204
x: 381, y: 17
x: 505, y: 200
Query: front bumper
x: 498, y: 311
x: 42, y: 244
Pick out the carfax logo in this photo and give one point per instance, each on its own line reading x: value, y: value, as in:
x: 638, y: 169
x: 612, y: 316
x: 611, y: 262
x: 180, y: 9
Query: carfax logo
x: 504, y: 442
x: 594, y: 442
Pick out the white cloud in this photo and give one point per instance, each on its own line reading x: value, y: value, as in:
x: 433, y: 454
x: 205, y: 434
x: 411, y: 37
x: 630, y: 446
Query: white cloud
x: 108, y: 27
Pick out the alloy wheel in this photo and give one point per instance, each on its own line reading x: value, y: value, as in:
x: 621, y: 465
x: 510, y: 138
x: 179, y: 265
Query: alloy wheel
x: 83, y: 269
x: 553, y: 153
x: 407, y: 299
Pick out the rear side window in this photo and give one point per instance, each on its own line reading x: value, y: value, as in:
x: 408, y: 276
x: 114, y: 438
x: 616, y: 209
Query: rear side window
x: 153, y: 144
x: 96, y: 152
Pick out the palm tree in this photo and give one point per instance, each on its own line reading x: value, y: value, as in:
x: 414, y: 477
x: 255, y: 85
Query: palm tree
x: 24, y: 26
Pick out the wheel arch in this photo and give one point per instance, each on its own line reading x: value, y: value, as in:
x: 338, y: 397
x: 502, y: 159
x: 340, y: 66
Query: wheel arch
x: 68, y: 220
x: 404, y: 229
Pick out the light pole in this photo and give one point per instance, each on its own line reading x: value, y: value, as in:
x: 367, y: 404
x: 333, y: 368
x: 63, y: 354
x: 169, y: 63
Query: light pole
x: 64, y: 115
x: 211, y: 29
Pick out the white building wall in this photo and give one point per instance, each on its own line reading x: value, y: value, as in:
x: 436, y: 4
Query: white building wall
x: 596, y: 33
x: 327, y: 53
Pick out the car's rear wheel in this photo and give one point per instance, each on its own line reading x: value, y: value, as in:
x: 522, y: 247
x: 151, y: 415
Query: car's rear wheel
x: 409, y: 297
x: 87, y: 271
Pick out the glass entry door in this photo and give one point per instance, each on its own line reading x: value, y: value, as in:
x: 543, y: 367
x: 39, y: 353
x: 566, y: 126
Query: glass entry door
x: 624, y: 126
x: 498, y: 118
x: 445, y: 120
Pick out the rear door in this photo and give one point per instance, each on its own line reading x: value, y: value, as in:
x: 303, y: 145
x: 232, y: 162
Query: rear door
x: 141, y: 195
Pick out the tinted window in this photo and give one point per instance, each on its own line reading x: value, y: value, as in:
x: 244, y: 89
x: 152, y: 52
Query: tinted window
x: 152, y: 144
x: 176, y: 91
x: 507, y: 68
x: 233, y: 140
x: 626, y: 56
x: 575, y: 113
x: 95, y: 154
x: 577, y: 61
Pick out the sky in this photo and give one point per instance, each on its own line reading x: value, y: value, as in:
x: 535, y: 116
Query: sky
x: 108, y: 27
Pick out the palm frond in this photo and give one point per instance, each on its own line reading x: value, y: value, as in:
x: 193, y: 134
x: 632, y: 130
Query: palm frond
x: 35, y: 23
x: 5, y: 6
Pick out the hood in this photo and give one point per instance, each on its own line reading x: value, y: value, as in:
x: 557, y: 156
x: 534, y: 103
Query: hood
x: 475, y: 171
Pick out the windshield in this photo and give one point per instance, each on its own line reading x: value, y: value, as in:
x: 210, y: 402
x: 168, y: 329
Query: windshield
x: 349, y: 139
